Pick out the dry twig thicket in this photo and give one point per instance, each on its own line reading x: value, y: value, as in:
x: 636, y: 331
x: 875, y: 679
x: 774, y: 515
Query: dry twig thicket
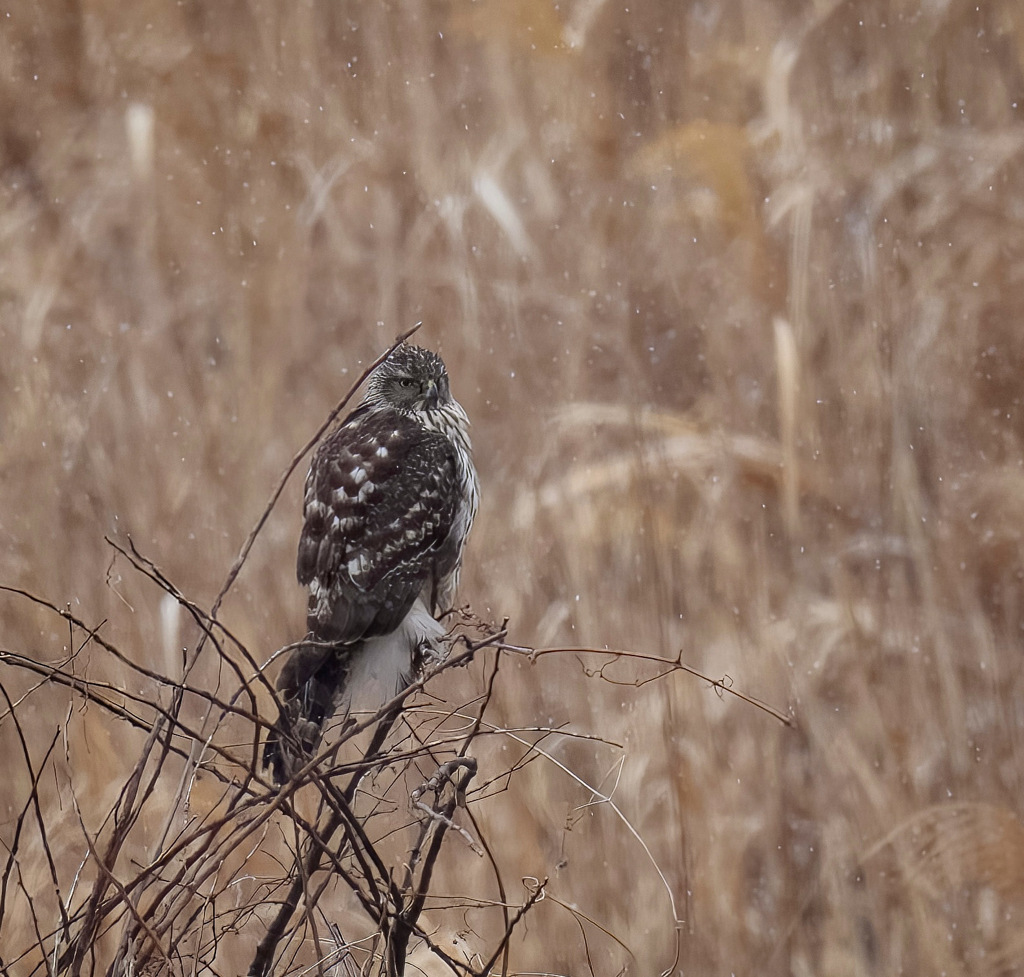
x: 170, y: 879
x: 732, y: 294
x: 198, y: 852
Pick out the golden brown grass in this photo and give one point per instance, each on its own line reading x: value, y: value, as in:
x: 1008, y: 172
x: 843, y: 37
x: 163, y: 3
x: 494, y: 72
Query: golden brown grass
x: 733, y: 296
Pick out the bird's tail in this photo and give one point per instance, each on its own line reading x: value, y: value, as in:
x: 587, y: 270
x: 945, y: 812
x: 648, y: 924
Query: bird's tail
x: 311, y: 688
x: 319, y: 679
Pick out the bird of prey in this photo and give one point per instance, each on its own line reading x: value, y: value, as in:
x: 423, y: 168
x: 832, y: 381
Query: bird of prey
x: 390, y: 498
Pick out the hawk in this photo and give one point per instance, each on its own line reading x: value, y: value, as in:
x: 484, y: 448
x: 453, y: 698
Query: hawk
x: 390, y: 498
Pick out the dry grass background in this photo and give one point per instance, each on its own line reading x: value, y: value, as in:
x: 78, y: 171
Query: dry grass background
x: 733, y: 294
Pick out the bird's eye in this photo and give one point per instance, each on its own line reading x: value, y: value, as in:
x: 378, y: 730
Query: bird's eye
x: 407, y: 382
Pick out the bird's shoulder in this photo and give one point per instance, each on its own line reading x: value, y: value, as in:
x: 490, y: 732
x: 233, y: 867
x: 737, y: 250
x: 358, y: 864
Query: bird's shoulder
x: 372, y: 444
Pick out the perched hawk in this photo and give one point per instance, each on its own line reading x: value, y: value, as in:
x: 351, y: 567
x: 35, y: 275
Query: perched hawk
x: 390, y: 498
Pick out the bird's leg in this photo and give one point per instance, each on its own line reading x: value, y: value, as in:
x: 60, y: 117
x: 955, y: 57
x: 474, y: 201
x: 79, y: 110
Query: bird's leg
x: 431, y: 651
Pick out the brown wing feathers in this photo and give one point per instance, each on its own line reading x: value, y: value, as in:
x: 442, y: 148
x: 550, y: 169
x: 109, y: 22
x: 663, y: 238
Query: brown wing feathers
x: 380, y: 501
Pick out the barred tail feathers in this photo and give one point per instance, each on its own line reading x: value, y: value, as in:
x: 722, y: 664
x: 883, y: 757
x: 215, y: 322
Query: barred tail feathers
x: 311, y: 688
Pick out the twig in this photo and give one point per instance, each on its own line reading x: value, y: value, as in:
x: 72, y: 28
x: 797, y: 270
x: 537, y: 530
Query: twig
x: 440, y: 816
x: 40, y: 820
x: 536, y: 896
x: 262, y: 961
x: 73, y: 957
x: 723, y: 684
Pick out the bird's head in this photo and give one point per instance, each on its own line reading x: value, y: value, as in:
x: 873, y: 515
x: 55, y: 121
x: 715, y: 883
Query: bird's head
x: 410, y: 379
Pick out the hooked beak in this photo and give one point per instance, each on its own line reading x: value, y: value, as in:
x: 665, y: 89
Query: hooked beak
x: 431, y: 396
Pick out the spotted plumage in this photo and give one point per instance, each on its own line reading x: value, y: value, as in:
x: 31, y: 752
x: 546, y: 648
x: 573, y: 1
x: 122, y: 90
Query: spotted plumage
x: 390, y: 498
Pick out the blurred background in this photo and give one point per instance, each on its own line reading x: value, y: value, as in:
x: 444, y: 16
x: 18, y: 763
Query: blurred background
x: 733, y: 295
